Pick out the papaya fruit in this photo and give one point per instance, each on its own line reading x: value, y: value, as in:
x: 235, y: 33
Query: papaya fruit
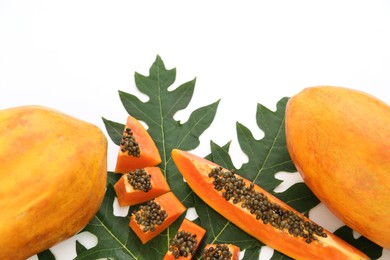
x: 339, y: 140
x: 259, y: 213
x: 221, y: 251
x: 154, y: 216
x: 186, y: 241
x: 137, y: 149
x: 52, y: 181
x: 140, y: 186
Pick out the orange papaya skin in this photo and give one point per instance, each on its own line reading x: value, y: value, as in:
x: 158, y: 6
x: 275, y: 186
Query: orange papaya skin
x: 188, y: 226
x: 174, y: 208
x: 195, y: 170
x: 339, y: 140
x: 52, y: 179
x: 150, y: 155
x: 235, y: 250
x: 127, y: 196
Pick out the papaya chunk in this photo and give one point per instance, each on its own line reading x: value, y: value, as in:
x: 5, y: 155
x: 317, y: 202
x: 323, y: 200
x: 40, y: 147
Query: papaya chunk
x: 137, y: 148
x: 167, y: 208
x: 261, y: 215
x: 221, y: 251
x: 186, y: 241
x: 141, y: 185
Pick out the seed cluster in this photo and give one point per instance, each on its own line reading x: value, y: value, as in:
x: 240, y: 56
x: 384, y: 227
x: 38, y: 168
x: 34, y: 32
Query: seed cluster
x: 140, y: 180
x: 150, y: 215
x: 129, y: 144
x: 257, y: 203
x: 219, y: 252
x: 183, y: 244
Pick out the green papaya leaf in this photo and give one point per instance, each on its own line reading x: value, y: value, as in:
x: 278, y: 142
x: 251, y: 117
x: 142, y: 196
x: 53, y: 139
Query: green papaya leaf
x: 114, y: 130
x: 115, y: 239
x: 268, y: 155
x: 158, y: 113
x: 220, y: 155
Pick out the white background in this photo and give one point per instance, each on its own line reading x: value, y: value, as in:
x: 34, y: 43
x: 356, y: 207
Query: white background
x: 74, y: 56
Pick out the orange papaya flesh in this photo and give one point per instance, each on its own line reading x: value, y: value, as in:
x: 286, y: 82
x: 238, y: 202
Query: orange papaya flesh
x: 190, y: 234
x: 323, y: 245
x: 221, y: 251
x: 168, y: 208
x: 151, y: 184
x: 137, y: 148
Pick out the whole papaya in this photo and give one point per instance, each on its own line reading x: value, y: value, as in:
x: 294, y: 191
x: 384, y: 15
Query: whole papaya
x: 52, y: 179
x: 339, y: 140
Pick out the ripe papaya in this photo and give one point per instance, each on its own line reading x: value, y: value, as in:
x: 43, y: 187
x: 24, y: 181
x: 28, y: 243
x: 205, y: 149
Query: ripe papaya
x: 221, y: 251
x: 339, y: 140
x: 52, y: 179
x: 137, y: 148
x: 259, y: 213
x: 140, y: 186
x: 154, y: 216
x: 186, y: 241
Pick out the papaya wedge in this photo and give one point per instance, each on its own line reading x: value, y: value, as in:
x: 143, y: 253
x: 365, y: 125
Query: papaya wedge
x: 186, y: 241
x: 140, y: 186
x: 167, y: 208
x: 137, y: 148
x: 259, y: 213
x: 221, y: 251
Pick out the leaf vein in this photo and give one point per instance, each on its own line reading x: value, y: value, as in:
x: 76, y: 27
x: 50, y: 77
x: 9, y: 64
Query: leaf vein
x: 277, y: 165
x: 190, y: 130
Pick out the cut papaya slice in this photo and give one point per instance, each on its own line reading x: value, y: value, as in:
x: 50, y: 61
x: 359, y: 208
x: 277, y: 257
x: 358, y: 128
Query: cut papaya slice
x: 259, y: 213
x: 155, y: 216
x: 186, y: 241
x: 221, y: 251
x: 137, y: 148
x: 141, y: 185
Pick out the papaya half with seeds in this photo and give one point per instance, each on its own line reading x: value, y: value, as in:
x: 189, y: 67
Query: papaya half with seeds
x: 186, y: 241
x: 260, y: 214
x: 137, y: 148
x: 339, y: 140
x: 140, y: 186
x: 52, y: 180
